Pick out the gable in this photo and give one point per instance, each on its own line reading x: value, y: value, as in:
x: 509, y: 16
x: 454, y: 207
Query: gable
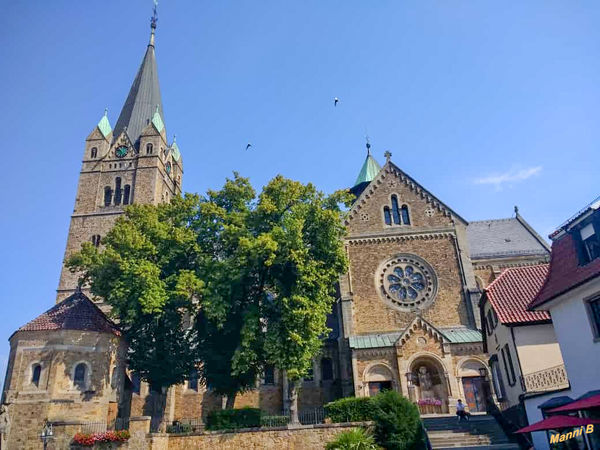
x: 367, y: 214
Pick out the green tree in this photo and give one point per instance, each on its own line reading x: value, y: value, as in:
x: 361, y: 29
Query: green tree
x: 293, y: 255
x: 258, y: 274
x: 146, y: 273
x: 272, y: 265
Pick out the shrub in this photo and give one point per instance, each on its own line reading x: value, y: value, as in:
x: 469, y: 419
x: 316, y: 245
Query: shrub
x: 274, y: 421
x: 230, y: 419
x: 357, y: 439
x: 350, y: 409
x: 180, y: 428
x: 397, y: 422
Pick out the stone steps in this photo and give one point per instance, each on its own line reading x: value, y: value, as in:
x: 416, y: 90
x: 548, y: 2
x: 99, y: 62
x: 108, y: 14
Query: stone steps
x: 481, y: 432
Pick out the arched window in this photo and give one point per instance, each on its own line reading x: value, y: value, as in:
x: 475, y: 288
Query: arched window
x: 126, y: 193
x: 118, y: 191
x: 149, y: 149
x: 36, y: 372
x: 136, y: 382
x: 193, y: 380
x: 107, y: 195
x: 269, y: 374
x: 96, y: 240
x: 326, y: 369
x: 94, y: 152
x: 387, y: 215
x: 395, y: 210
x: 405, y: 216
x: 79, y: 375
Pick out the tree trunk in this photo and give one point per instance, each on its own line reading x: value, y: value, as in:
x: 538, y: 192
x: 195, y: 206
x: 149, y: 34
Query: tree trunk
x: 230, y: 402
x: 293, y: 398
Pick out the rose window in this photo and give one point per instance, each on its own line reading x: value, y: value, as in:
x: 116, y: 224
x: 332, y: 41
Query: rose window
x: 407, y: 282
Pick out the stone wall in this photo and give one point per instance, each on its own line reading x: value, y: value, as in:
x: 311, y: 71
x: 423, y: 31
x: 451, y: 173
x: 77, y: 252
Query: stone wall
x: 306, y: 437
x: 309, y: 437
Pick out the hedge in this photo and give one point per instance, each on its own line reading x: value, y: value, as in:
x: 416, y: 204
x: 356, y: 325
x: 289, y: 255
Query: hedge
x: 350, y: 409
x: 230, y: 419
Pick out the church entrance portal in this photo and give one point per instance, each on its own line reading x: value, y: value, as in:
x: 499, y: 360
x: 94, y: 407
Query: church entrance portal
x: 429, y: 386
x: 474, y: 397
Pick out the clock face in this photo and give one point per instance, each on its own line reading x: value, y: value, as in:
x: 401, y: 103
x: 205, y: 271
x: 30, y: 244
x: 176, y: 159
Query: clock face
x: 121, y: 152
x: 168, y: 167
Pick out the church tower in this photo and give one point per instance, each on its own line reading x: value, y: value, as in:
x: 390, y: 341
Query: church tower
x: 132, y: 163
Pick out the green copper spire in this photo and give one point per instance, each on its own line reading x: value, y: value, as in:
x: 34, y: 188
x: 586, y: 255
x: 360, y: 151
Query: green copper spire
x: 369, y: 169
x: 157, y: 120
x: 104, y: 125
x: 175, y: 149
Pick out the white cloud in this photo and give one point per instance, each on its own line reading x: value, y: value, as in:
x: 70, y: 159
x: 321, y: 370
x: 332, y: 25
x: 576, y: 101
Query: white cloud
x: 509, y: 177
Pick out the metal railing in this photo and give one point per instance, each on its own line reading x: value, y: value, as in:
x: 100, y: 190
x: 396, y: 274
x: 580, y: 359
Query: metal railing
x: 549, y: 379
x: 100, y: 427
x: 306, y: 417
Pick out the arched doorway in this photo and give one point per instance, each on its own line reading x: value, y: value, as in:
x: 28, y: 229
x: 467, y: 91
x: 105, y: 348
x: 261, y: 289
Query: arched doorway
x: 430, y: 388
x: 378, y: 378
x: 473, y: 384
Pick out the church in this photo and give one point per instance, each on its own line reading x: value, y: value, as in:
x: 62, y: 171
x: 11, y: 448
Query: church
x: 406, y: 316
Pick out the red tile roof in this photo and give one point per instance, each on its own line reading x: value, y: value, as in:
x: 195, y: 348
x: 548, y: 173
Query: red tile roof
x: 76, y: 312
x: 513, y: 290
x: 565, y: 272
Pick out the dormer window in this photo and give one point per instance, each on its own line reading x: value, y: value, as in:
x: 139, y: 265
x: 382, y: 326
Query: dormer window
x: 590, y: 243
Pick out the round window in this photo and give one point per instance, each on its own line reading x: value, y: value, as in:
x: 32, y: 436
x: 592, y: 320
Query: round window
x: 407, y: 282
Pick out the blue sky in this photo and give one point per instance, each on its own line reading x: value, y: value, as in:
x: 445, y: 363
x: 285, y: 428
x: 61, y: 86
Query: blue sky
x: 487, y: 104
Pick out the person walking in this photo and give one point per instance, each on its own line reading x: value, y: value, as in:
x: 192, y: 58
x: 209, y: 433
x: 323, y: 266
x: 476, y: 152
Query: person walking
x: 460, y: 411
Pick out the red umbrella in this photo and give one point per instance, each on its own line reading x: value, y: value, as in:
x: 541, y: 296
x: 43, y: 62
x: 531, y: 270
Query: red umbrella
x: 584, y: 403
x: 558, y: 422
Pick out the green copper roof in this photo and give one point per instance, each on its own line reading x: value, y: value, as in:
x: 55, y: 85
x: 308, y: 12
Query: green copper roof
x: 175, y: 150
x: 374, y: 340
x: 461, y: 335
x: 104, y: 126
x: 157, y: 120
x: 369, y: 170
x: 455, y: 335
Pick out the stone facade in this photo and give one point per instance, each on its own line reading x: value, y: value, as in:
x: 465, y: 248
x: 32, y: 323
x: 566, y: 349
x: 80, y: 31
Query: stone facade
x: 421, y: 338
x: 55, y: 396
x: 141, y: 176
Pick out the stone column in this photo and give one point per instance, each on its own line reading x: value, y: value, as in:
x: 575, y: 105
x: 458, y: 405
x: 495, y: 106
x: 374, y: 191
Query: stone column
x: 139, y: 424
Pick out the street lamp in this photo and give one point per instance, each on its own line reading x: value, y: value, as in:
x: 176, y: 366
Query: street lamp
x: 483, y: 372
x: 46, y: 434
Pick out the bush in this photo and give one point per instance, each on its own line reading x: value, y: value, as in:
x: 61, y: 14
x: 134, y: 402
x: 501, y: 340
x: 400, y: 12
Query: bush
x: 274, y: 421
x: 397, y: 422
x: 357, y: 439
x: 230, y: 419
x: 180, y: 428
x: 350, y: 409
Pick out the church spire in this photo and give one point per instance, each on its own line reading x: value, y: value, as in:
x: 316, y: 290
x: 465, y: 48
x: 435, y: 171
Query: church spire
x: 369, y: 169
x: 144, y: 96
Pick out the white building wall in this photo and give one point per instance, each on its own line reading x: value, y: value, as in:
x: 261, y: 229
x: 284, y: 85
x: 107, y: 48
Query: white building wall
x: 580, y: 351
x: 537, y: 347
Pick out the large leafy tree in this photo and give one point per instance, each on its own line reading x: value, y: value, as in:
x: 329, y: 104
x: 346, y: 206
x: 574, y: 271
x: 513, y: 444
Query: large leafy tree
x: 283, y: 254
x: 257, y: 273
x: 147, y: 273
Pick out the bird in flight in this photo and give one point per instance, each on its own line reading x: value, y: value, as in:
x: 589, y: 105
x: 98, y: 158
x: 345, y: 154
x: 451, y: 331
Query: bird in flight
x: 335, y: 101
x: 248, y: 145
